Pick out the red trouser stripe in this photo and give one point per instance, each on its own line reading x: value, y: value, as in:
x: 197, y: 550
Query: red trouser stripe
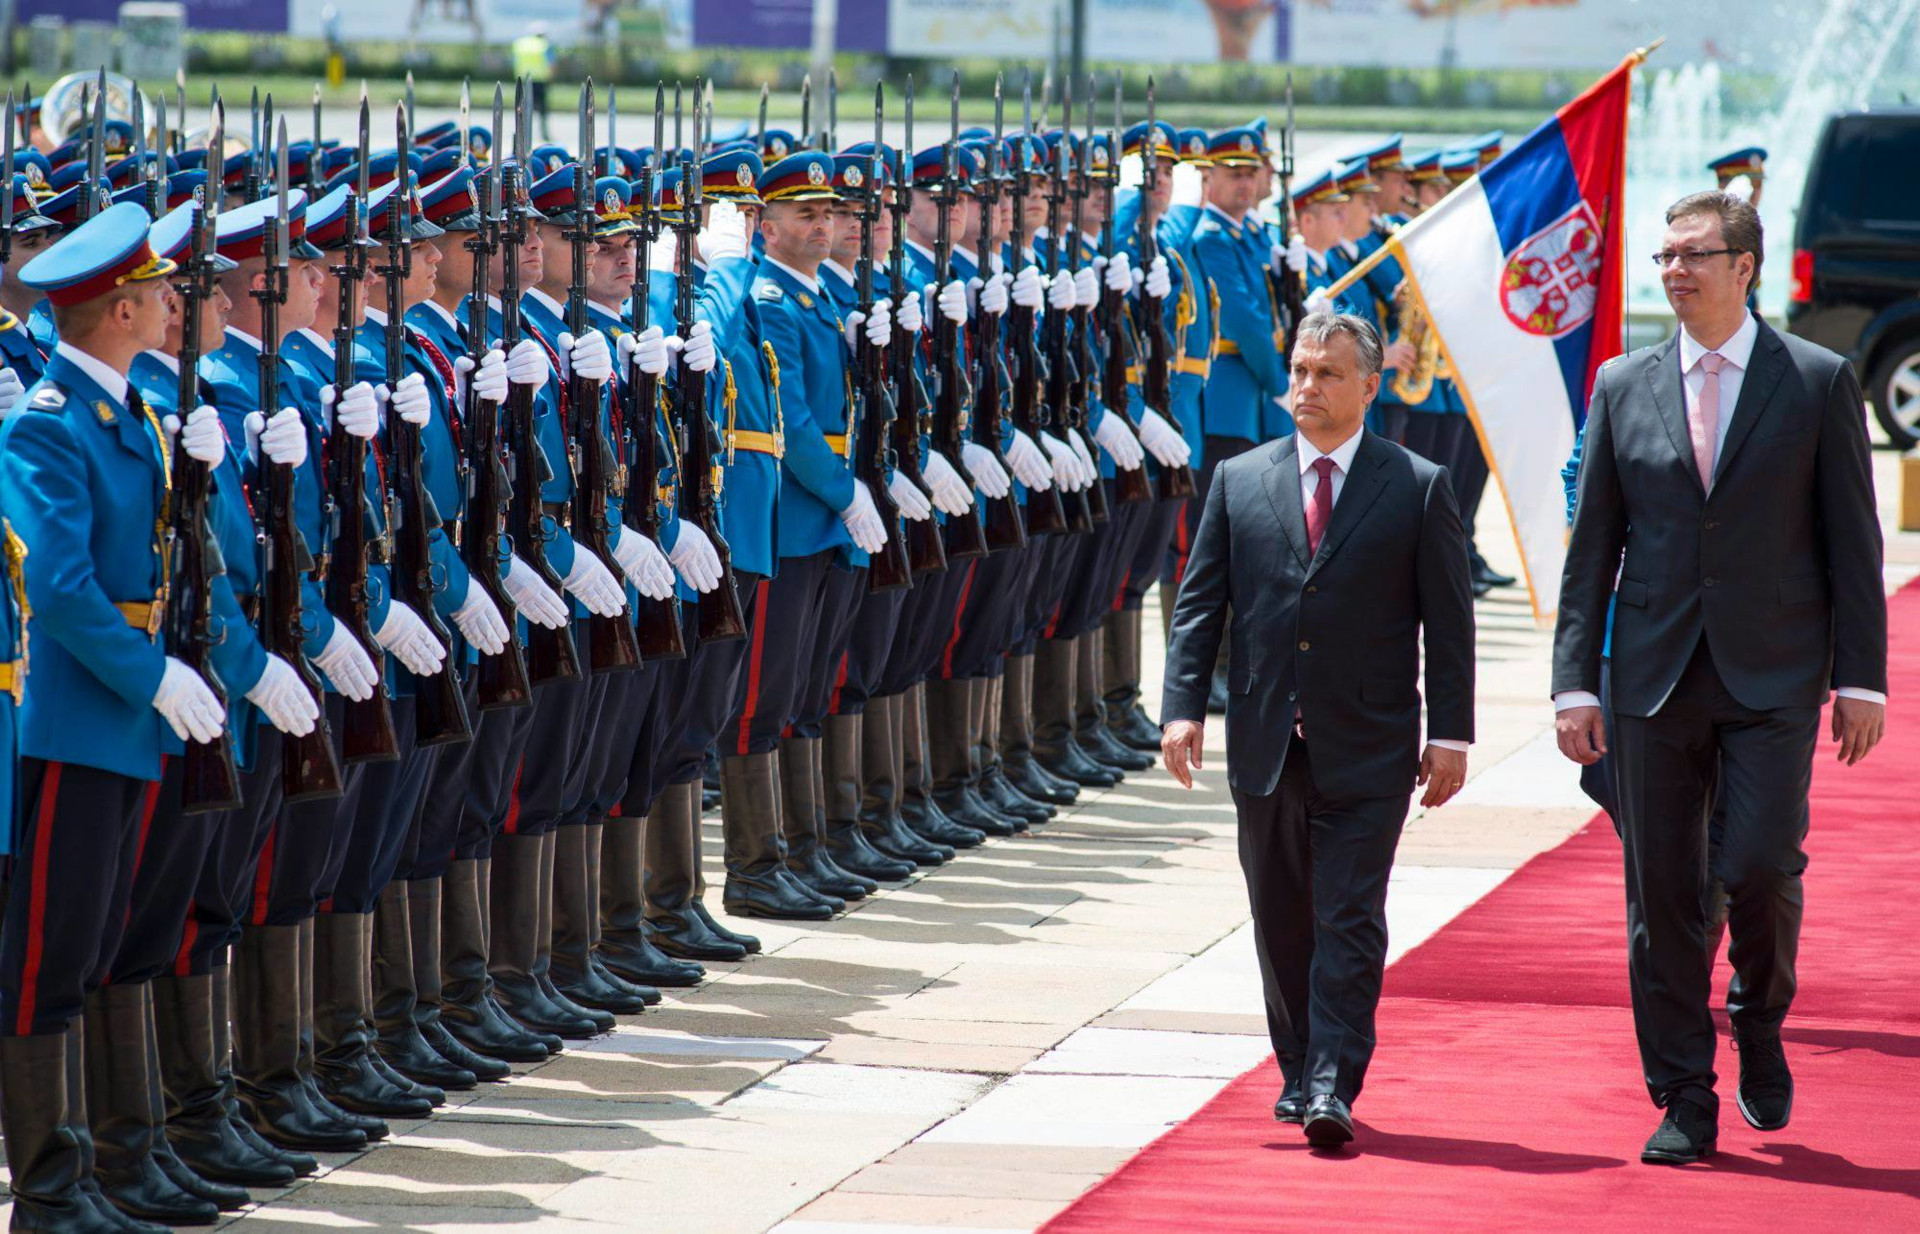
x: 263, y: 878
x: 182, y: 962
x: 959, y: 621
x: 146, y: 825
x: 741, y: 742
x: 37, y: 901
x: 513, y: 798
x: 1120, y: 592
x: 1181, y: 542
x: 839, y: 681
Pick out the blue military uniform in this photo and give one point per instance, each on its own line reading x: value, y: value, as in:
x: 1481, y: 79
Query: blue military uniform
x: 1247, y: 375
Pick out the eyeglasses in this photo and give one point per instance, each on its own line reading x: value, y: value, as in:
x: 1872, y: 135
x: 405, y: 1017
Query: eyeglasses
x: 1690, y: 257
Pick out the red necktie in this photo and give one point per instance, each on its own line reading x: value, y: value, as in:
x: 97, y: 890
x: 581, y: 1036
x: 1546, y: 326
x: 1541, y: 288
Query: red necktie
x: 1321, y: 511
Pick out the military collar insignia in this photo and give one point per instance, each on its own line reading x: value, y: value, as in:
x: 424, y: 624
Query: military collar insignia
x: 806, y: 301
x: 105, y: 411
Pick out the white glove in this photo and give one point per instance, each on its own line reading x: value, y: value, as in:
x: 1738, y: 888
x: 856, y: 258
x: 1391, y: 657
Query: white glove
x: 909, y: 317
x: 188, y: 704
x: 695, y: 559
x: 952, y: 301
x: 993, y: 295
x: 283, y: 697
x: 725, y: 234
x: 698, y: 351
x: 1060, y: 294
x: 490, y: 383
x: 988, y: 475
x: 1119, y: 274
x: 527, y: 364
x: 1029, y: 289
x: 586, y: 357
x: 1318, y: 301
x: 863, y: 520
x: 1162, y: 440
x: 408, y: 640
x: 530, y: 594
x: 594, y: 585
x: 907, y: 495
x: 357, y: 415
x: 1066, y: 464
x: 1030, y: 466
x: 1159, y: 282
x: 950, y: 492
x: 1118, y: 440
x: 1089, y: 472
x: 645, y: 351
x: 878, y: 328
x: 641, y: 560
x: 1296, y: 254
x: 347, y: 665
x: 282, y: 438
x: 480, y: 623
x: 10, y: 390
x: 203, y: 438
x: 410, y: 400
x: 1086, y: 288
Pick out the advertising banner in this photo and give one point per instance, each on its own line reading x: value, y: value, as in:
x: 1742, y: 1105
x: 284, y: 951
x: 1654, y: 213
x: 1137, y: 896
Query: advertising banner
x: 787, y: 24
x: 264, y: 16
x: 1160, y: 31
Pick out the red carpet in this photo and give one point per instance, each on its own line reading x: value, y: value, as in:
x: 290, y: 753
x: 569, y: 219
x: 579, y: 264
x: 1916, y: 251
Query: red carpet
x: 1506, y: 1091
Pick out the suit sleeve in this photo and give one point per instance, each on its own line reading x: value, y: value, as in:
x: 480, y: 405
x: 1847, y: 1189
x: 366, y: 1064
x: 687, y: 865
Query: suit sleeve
x: 1848, y: 518
x: 810, y: 460
x: 1445, y: 591
x: 1201, y: 613
x: 1593, y: 554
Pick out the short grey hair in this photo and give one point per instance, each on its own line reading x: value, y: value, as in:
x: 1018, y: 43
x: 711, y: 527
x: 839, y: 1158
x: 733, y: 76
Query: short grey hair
x: 1325, y: 324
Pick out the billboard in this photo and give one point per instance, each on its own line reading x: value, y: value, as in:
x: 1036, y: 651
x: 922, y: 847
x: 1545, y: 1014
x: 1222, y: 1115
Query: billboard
x: 264, y: 16
x: 1162, y: 31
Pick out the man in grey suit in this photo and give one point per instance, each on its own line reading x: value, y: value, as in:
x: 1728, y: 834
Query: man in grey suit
x: 1335, y: 553
x: 1725, y: 483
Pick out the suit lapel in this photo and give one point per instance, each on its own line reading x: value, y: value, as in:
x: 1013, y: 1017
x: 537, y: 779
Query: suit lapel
x: 1670, y: 399
x: 1282, y: 482
x: 1757, y: 387
x: 1357, y: 495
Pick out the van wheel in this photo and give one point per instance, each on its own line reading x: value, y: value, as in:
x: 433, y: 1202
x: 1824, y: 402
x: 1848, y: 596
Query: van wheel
x: 1895, y: 390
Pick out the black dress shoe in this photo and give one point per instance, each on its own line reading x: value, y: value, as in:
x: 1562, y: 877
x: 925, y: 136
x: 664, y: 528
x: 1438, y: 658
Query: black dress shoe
x: 408, y: 1052
x: 1292, y: 1105
x: 488, y: 1031
x: 746, y: 942
x: 632, y: 955
x: 586, y: 988
x: 601, y: 1020
x: 224, y: 1196
x: 1481, y: 588
x: 709, y: 799
x: 607, y: 977
x: 357, y: 1085
x: 144, y: 1192
x: 1484, y: 573
x: 456, y: 1052
x: 1000, y: 794
x: 824, y: 877
x: 850, y: 849
x: 1329, y: 1123
x: 772, y: 898
x: 1687, y: 1134
x: 1765, y: 1096
x: 923, y: 817
x: 302, y: 1164
x: 685, y: 935
x: 213, y: 1148
x: 969, y: 811
x: 1068, y: 761
x: 1015, y: 819
x: 1040, y: 784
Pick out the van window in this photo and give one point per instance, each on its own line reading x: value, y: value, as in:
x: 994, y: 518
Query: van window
x: 1890, y: 176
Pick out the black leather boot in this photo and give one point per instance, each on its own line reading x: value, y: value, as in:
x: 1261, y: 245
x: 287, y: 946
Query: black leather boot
x: 881, y: 759
x: 224, y: 1196
x: 374, y: 1127
x: 467, y: 1009
x: 625, y: 945
x: 1090, y: 710
x: 197, y: 1127
x: 44, y: 1138
x: 842, y: 744
x: 987, y: 776
x: 593, y: 842
x: 1053, y: 716
x: 1120, y: 647
x: 396, y: 1003
x: 669, y: 877
x: 918, y: 808
x: 425, y: 909
x: 543, y: 955
x: 573, y: 972
x: 514, y: 952
x: 1016, y: 739
x: 120, y: 1116
x: 801, y: 813
x: 220, y: 987
x: 950, y: 745
x: 343, y: 1060
x: 698, y: 904
x: 267, y: 1015
x: 104, y: 1209
x: 755, y: 857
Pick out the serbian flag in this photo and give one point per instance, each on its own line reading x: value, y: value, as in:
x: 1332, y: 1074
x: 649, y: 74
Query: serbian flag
x: 1521, y: 271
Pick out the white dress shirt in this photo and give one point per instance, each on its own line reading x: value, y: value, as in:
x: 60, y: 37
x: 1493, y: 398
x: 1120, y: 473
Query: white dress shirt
x: 1737, y: 351
x: 111, y: 382
x: 1342, y: 456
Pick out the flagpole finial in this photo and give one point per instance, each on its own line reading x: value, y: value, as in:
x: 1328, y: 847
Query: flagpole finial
x: 1640, y: 54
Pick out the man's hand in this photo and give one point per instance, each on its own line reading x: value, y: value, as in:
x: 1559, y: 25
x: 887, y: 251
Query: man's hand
x: 1400, y: 355
x: 1443, y: 771
x: 1858, y: 725
x: 1583, y: 734
x: 1180, y: 744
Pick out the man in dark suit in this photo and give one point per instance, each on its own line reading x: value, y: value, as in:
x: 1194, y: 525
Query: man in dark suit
x: 1725, y: 482
x: 1334, y: 552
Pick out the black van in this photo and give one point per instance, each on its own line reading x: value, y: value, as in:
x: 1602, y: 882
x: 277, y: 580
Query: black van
x: 1856, y: 258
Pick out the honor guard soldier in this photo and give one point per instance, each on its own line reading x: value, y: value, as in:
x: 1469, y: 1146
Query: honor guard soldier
x: 30, y: 234
x: 1430, y: 182
x: 1384, y: 194
x: 1748, y: 161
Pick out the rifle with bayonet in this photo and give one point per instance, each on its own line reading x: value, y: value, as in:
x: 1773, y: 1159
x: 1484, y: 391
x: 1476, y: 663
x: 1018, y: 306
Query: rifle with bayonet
x: 1115, y: 325
x: 1045, y: 514
x: 210, y: 779
x: 611, y: 642
x: 1290, y: 289
x: 1156, y: 349
x: 658, y: 621
x: 367, y: 733
x: 310, y: 768
x: 913, y: 410
x: 89, y: 204
x: 440, y: 703
x: 550, y: 653
x: 1081, y: 404
x: 500, y: 680
x: 1005, y: 527
x: 1061, y: 375
x: 6, y: 203
x: 966, y: 536
x: 872, y: 411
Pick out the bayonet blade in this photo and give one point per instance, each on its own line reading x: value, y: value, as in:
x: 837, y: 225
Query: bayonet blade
x: 832, y: 136
x: 706, y: 138
x: 6, y: 156
x: 761, y: 138
x: 679, y: 142
x: 613, y: 128
x: 283, y: 213
x: 363, y: 176
x: 466, y: 120
x: 1026, y: 112
x: 955, y: 107
x: 493, y: 164
x: 659, y: 159
x: 906, y: 143
x: 806, y: 110
x: 403, y: 153
x: 211, y: 192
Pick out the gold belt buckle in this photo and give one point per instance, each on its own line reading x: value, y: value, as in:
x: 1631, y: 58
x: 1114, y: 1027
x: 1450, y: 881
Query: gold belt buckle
x: 779, y: 442
x: 156, y: 616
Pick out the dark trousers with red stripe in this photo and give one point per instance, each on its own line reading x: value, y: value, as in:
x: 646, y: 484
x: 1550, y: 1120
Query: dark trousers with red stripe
x: 983, y: 616
x: 478, y: 780
x: 1156, y: 539
x: 554, y: 752
x: 388, y: 818
x: 1046, y: 582
x: 622, y: 739
x: 864, y: 662
x: 929, y: 638
x: 234, y: 878
x: 1097, y: 571
x: 308, y: 847
x: 692, y: 704
x: 780, y: 654
x: 845, y: 589
x: 173, y: 850
x: 72, y: 884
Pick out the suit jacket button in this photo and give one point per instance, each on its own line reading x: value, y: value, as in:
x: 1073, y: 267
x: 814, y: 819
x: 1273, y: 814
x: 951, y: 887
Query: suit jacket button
x: 1710, y: 524
x: 1305, y: 645
x: 1312, y: 589
x: 1709, y: 581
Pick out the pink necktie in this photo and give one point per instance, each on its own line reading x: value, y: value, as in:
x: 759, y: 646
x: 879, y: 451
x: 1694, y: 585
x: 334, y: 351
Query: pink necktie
x: 1321, y: 510
x: 1703, y: 426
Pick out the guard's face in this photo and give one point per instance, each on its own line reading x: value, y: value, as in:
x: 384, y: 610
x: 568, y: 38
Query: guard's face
x: 1329, y: 392
x: 610, y: 270
x: 1236, y: 190
x: 26, y: 244
x: 1161, y: 197
x: 1320, y: 224
x: 304, y: 279
x: 533, y: 260
x: 147, y: 313
x: 213, y: 320
x: 1359, y: 215
x: 1395, y: 191
x: 424, y: 276
x: 1430, y: 192
x: 799, y: 233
